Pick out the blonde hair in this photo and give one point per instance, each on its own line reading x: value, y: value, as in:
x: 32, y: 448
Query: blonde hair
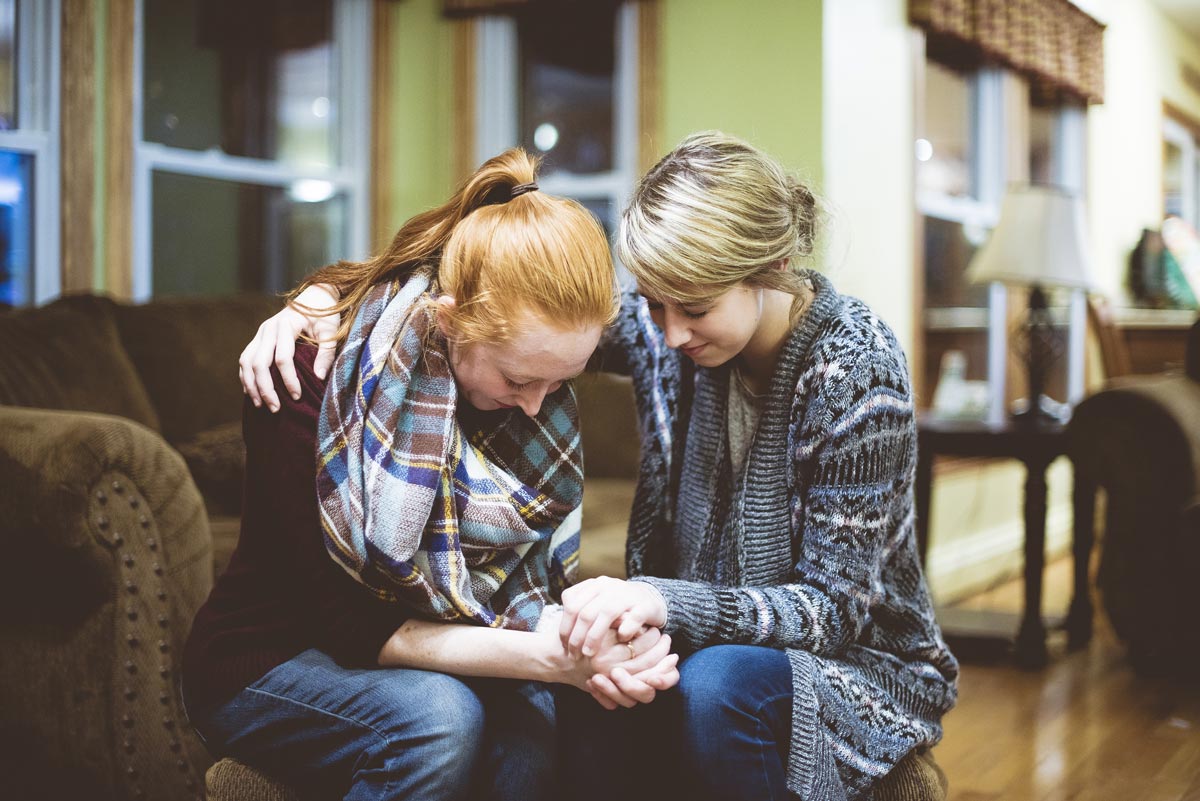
x: 500, y: 257
x: 713, y: 213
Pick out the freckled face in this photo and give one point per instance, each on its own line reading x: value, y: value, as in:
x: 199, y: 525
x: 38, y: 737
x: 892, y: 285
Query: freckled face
x: 524, y: 371
x: 710, y: 335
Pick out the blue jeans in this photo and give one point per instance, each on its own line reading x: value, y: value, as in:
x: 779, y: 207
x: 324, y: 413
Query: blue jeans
x: 722, y: 733
x: 389, y: 733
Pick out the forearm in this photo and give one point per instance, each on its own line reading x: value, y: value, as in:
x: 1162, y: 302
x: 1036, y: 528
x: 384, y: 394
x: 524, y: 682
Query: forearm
x: 465, y: 650
x: 785, y: 616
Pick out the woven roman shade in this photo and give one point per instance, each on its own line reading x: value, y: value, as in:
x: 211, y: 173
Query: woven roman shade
x: 472, y: 8
x: 1054, y: 43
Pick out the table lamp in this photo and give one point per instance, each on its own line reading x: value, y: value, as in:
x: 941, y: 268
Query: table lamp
x: 1038, y: 243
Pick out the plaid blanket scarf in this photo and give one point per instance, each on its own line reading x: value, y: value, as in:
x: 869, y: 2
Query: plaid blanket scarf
x: 473, y: 522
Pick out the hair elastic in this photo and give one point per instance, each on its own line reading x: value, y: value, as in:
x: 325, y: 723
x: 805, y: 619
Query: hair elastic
x: 521, y: 189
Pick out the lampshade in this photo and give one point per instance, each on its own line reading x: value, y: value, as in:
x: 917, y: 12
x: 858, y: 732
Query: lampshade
x: 1039, y: 240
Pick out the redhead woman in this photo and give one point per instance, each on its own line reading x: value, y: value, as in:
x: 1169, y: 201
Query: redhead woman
x: 772, y: 530
x: 387, y: 627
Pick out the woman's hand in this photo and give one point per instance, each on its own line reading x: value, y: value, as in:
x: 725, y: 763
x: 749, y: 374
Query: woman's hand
x: 592, y: 608
x: 275, y: 343
x: 631, y: 673
x: 620, y: 673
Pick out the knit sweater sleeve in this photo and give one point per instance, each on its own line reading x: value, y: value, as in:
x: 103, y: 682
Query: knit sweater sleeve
x: 624, y: 341
x: 853, y: 457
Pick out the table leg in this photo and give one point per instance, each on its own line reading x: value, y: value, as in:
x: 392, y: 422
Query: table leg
x: 1031, y: 639
x: 924, y: 489
x: 1079, y: 618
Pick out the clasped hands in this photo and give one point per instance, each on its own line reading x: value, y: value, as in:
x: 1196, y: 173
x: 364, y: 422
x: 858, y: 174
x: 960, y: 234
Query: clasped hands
x: 611, y: 631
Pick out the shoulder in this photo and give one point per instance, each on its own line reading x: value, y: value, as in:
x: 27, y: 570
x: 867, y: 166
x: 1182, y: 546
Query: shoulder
x: 854, y: 381
x: 297, y: 417
x: 855, y: 348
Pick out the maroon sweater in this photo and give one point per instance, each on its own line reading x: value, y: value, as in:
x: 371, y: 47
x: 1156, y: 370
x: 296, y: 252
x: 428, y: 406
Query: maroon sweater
x: 282, y: 593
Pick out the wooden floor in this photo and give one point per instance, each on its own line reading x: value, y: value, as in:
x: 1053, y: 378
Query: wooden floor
x: 1085, y: 727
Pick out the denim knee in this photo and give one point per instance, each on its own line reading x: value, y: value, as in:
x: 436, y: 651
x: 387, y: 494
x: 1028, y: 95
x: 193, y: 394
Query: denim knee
x: 725, y: 687
x: 456, y: 718
x: 448, y: 734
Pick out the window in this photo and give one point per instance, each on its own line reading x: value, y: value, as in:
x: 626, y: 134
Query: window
x: 966, y: 157
x: 960, y: 178
x: 29, y: 133
x: 250, y: 166
x: 562, y: 82
x: 1181, y: 172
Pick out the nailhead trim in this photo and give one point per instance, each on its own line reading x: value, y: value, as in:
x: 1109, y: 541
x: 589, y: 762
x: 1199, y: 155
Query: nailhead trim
x: 108, y: 522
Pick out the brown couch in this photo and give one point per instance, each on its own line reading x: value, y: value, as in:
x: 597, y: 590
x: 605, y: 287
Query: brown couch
x: 120, y: 470
x: 109, y: 551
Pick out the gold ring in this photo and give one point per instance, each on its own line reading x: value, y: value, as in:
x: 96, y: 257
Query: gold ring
x: 632, y: 653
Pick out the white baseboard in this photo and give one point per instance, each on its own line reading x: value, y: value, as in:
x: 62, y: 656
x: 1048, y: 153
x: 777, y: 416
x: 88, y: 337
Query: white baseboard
x: 966, y: 565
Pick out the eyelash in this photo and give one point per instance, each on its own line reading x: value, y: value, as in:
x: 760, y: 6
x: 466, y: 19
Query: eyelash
x: 513, y: 384
x: 690, y: 315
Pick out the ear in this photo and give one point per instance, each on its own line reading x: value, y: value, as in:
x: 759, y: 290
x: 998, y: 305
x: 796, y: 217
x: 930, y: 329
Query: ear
x: 445, y: 305
x: 780, y: 265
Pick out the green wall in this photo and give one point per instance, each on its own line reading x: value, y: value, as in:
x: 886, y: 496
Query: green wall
x: 421, y: 171
x: 749, y: 68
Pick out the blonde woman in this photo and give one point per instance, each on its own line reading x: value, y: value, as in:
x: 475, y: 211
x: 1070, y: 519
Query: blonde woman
x: 772, y: 531
x: 385, y: 627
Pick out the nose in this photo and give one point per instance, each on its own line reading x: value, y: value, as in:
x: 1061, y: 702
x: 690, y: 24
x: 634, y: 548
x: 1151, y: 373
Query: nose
x: 675, y: 328
x: 532, y: 397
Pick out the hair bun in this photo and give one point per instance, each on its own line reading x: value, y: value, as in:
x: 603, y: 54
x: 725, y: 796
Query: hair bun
x: 804, y: 215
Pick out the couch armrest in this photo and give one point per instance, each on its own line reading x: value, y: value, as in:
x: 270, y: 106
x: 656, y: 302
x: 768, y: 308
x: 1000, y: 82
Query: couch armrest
x: 107, y: 558
x: 1141, y: 437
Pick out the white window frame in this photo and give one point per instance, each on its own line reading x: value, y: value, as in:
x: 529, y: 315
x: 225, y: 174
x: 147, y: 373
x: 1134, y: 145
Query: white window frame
x: 38, y: 134
x: 497, y: 100
x: 1068, y: 169
x: 352, y: 25
x: 1179, y: 135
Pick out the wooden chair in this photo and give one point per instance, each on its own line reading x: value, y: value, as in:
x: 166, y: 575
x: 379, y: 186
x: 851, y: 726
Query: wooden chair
x: 1114, y: 352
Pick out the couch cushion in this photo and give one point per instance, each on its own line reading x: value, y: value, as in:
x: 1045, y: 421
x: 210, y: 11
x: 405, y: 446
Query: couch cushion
x: 68, y: 355
x: 186, y: 351
x: 216, y: 458
x: 609, y: 425
x: 606, y: 506
x: 230, y: 780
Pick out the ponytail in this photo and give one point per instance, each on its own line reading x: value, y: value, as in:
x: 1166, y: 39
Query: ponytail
x: 523, y: 217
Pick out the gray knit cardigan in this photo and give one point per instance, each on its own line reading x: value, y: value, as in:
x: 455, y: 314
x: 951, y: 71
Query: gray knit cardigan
x: 812, y: 550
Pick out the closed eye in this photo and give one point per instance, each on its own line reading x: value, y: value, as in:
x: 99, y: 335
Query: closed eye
x: 691, y: 314
x: 514, y: 385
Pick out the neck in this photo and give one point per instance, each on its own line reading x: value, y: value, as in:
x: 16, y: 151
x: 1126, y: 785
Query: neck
x: 757, y: 359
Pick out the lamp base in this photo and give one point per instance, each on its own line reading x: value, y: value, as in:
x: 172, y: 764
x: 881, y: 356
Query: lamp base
x: 1045, y: 410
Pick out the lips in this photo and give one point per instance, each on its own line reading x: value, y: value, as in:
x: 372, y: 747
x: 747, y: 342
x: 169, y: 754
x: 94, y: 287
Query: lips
x: 693, y: 352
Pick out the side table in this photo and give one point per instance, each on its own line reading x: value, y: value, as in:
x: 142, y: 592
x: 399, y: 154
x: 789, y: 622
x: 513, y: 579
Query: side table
x: 1036, y: 446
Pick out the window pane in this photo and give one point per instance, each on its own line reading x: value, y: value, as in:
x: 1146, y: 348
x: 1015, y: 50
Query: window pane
x: 567, y: 60
x: 1041, y: 145
x: 8, y: 65
x: 247, y: 77
x: 946, y: 154
x: 604, y: 210
x: 1173, y: 182
x: 949, y: 248
x: 16, y: 228
x: 216, y: 237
